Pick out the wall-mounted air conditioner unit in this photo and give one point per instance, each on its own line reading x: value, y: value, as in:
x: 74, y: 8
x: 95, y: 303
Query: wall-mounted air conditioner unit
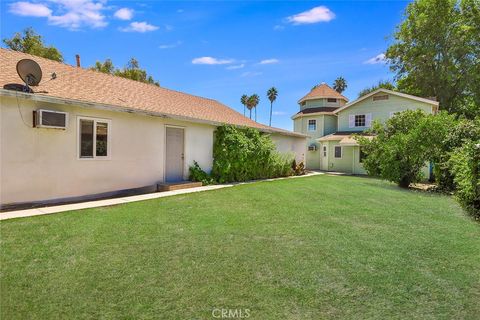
x: 50, y: 119
x: 312, y: 147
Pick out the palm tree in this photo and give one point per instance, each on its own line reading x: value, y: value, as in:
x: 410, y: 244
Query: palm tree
x: 340, y: 84
x: 244, y: 100
x: 254, y: 100
x: 272, y: 94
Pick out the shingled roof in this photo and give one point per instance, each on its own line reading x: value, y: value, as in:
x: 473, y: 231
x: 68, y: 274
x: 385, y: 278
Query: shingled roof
x: 88, y: 86
x: 322, y: 91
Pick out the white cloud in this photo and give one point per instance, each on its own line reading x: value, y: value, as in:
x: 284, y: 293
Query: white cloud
x: 170, y: 46
x: 124, y: 14
x: 139, y: 27
x: 269, y: 61
x: 251, y: 74
x: 238, y: 66
x: 211, y: 61
x: 279, y: 113
x: 71, y: 14
x: 377, y: 59
x: 30, y: 9
x: 314, y: 15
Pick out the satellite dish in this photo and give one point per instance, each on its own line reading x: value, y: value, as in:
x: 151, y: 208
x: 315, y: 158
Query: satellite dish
x: 29, y: 71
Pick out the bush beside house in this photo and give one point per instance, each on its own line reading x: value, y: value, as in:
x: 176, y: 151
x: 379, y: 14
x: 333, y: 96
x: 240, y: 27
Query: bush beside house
x: 243, y: 154
x: 410, y: 139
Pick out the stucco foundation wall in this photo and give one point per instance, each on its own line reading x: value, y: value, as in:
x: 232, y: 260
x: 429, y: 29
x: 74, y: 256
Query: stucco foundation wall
x: 42, y: 164
x: 291, y: 144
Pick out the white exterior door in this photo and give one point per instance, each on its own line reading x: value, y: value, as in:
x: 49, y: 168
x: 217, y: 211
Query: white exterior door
x: 174, y: 159
x: 324, y: 156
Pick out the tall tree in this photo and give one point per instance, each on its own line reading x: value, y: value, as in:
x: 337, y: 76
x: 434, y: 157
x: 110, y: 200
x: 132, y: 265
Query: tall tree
x: 254, y: 101
x: 131, y: 71
x: 105, y: 67
x: 31, y: 42
x: 244, y: 101
x: 340, y: 84
x: 437, y: 53
x: 272, y: 94
x: 381, y: 84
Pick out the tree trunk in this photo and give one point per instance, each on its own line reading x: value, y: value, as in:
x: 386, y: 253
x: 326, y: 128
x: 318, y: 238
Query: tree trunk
x: 271, y: 106
x: 250, y: 113
x: 404, y: 182
x: 255, y: 114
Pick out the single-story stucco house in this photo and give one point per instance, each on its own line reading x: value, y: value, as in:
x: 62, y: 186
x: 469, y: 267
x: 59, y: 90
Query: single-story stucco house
x: 113, y: 134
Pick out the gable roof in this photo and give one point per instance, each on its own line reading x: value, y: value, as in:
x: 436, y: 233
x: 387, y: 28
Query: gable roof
x: 322, y: 91
x: 84, y: 86
x: 395, y: 93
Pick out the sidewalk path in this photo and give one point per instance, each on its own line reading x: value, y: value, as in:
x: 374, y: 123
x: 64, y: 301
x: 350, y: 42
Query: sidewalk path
x: 115, y: 201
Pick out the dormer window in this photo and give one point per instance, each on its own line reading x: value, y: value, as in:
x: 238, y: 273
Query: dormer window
x: 334, y: 100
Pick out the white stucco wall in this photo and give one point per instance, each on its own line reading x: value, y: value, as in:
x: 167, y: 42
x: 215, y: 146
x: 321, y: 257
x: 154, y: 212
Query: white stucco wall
x: 39, y: 164
x: 291, y: 144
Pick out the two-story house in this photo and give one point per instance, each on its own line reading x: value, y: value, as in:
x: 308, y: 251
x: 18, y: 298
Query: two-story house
x: 330, y: 122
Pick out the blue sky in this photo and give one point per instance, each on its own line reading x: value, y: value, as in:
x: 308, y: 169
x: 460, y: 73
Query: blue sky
x: 223, y: 49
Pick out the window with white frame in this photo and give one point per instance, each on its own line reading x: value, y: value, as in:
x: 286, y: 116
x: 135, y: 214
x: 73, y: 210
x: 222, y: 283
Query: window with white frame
x: 93, y: 138
x: 338, y: 152
x: 312, y: 125
x: 359, y: 120
x: 324, y: 151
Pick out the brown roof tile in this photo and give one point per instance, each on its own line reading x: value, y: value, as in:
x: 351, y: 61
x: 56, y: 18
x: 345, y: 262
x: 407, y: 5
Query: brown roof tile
x: 85, y: 85
x: 322, y: 91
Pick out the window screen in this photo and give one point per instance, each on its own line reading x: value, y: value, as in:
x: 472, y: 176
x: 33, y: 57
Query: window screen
x: 86, y: 138
x: 338, y: 151
x: 360, y: 120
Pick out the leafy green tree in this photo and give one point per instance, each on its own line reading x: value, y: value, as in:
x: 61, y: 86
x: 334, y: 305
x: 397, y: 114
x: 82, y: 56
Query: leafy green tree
x: 244, y: 101
x: 403, y: 145
x: 32, y: 43
x: 253, y: 100
x: 436, y: 53
x: 272, y: 94
x: 381, y: 84
x: 131, y: 71
x: 340, y: 84
x: 105, y: 67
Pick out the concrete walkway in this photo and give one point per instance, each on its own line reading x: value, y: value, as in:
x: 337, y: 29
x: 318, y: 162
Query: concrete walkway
x: 115, y: 201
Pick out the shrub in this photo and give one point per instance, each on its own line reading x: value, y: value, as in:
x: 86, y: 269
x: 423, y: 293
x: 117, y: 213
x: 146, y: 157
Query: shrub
x: 460, y: 132
x: 298, y: 169
x: 465, y: 166
x: 197, y: 174
x: 242, y: 154
x: 404, y: 145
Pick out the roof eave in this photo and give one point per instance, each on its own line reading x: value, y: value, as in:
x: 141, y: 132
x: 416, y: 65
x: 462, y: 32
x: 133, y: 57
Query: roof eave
x: 404, y: 95
x: 116, y: 108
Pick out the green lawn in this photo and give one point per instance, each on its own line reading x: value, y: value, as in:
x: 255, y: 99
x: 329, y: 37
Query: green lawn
x: 309, y: 248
